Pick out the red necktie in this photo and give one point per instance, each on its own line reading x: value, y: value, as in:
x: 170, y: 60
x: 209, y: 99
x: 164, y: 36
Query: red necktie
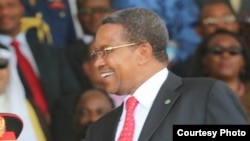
x: 31, y: 78
x: 127, y: 132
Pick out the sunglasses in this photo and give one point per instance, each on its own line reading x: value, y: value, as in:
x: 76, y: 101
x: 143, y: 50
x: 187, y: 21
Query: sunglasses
x: 3, y: 63
x: 218, y: 50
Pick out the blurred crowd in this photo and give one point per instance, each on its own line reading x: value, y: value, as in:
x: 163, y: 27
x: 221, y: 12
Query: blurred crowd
x: 49, y: 80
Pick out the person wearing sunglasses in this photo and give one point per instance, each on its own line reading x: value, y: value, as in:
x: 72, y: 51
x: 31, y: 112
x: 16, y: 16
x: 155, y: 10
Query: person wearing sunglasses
x: 214, y: 15
x: 13, y: 100
x: 225, y: 56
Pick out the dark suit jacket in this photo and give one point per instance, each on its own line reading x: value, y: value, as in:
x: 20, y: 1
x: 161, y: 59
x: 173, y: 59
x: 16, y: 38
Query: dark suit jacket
x: 56, y: 76
x: 193, y: 101
x: 64, y: 128
x: 76, y: 54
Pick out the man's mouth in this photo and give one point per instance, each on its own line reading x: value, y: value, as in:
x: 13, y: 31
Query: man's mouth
x: 106, y: 74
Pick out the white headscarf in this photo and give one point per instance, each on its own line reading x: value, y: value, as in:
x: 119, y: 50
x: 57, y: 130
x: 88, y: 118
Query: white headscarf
x: 16, y: 96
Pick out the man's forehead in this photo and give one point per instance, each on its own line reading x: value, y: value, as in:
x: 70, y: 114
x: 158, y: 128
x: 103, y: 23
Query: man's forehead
x: 109, y: 29
x: 108, y: 35
x: 223, y: 8
x: 99, y: 45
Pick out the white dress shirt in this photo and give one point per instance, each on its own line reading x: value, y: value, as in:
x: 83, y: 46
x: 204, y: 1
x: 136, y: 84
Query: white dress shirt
x: 4, y: 104
x: 145, y: 95
x: 24, y: 47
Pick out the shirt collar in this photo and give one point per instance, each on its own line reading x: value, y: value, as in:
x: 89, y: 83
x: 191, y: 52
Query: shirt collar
x: 6, y: 39
x: 147, y: 92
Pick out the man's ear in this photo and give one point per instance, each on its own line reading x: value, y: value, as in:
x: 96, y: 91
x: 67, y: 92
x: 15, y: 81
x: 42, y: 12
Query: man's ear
x: 146, y: 53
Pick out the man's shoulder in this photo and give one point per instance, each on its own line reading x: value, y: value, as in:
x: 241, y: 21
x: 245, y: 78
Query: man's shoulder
x: 204, y: 83
x: 199, y: 80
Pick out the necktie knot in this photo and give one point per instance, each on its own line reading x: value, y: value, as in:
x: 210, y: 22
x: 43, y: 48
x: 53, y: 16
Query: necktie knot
x: 131, y: 104
x: 15, y: 43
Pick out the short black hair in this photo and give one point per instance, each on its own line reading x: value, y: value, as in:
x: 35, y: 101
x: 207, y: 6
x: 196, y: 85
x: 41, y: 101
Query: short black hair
x: 142, y: 25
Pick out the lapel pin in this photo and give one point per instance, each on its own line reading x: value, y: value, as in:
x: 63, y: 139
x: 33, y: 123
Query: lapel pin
x: 167, y: 101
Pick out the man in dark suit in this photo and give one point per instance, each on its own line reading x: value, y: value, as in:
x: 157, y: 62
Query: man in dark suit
x: 129, y: 52
x: 50, y: 68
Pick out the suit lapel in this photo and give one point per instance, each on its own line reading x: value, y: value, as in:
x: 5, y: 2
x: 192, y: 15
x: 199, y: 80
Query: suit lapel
x: 37, y: 55
x: 164, y: 102
x: 42, y: 57
x: 36, y: 52
x: 112, y: 124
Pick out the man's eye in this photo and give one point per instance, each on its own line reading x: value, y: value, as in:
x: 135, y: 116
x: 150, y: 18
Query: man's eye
x: 108, y: 51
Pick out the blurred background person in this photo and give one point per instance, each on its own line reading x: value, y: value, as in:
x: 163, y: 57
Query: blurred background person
x: 13, y: 100
x: 57, y: 15
x: 91, y: 105
x: 63, y: 111
x: 214, y: 15
x: 89, y: 14
x: 44, y: 72
x: 224, y: 55
x: 240, y: 7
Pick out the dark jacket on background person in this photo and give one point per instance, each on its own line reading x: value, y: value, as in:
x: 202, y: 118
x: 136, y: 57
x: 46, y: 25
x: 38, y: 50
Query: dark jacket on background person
x: 56, y: 76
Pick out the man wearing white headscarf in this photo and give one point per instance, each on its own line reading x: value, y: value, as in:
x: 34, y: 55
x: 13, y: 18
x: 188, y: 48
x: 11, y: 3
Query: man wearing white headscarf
x: 13, y: 99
